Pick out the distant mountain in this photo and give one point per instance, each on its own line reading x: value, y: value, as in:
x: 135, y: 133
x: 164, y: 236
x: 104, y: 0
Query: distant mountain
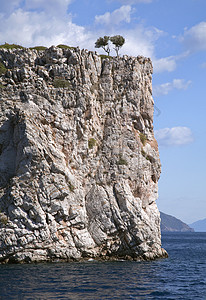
x: 199, y: 226
x: 170, y: 223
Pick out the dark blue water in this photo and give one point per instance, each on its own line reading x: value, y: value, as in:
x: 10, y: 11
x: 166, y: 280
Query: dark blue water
x: 181, y: 276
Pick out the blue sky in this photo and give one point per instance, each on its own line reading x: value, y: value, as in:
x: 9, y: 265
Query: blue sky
x: 173, y: 34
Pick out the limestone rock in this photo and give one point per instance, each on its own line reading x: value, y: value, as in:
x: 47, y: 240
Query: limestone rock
x: 79, y: 163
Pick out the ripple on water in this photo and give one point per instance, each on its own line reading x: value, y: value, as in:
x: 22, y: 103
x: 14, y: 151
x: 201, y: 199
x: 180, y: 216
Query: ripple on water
x: 181, y: 276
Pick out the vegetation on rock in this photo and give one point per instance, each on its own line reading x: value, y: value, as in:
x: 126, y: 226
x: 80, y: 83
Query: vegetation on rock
x: 61, y: 83
x: 71, y: 187
x: 65, y: 47
x: 103, y: 56
x: 91, y: 143
x: 122, y: 161
x: 11, y: 46
x: 143, y: 138
x: 3, y: 69
x: 117, y: 40
x: 103, y: 43
x: 3, y: 219
x: 38, y: 48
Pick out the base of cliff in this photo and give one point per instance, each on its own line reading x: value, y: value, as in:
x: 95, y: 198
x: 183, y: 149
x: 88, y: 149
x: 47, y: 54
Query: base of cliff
x: 32, y: 258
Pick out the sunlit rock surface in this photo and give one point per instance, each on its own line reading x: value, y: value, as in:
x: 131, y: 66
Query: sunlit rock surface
x: 79, y: 164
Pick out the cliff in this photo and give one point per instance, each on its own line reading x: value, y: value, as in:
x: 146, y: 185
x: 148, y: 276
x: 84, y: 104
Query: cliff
x: 79, y: 164
x: 172, y: 224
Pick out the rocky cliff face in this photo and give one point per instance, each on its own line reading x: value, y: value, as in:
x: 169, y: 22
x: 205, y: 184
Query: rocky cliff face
x: 79, y: 163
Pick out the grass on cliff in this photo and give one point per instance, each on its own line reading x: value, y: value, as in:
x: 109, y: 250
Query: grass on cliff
x: 15, y: 46
x: 3, y: 69
x: 38, y: 48
x: 11, y: 46
x: 61, y: 83
x: 3, y: 219
x: 148, y: 157
x: 91, y: 143
x: 65, y: 47
x: 143, y: 139
x: 71, y: 187
x: 103, y: 56
x: 122, y: 161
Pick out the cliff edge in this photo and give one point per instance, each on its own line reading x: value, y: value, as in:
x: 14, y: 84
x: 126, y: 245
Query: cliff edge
x: 79, y: 164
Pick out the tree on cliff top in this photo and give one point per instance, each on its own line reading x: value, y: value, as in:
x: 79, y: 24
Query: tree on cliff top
x: 104, y: 43
x: 118, y: 41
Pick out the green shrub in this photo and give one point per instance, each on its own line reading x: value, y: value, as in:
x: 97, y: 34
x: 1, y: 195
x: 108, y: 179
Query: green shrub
x: 3, y: 219
x: 103, y: 56
x: 71, y: 187
x: 144, y: 153
x: 122, y: 161
x: 65, y: 47
x: 91, y: 143
x: 2, y: 86
x: 3, y: 69
x: 38, y: 48
x: 11, y: 46
x: 148, y: 157
x: 143, y: 139
x: 61, y: 83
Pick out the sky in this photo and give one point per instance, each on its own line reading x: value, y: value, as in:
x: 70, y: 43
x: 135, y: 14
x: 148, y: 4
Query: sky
x: 173, y: 34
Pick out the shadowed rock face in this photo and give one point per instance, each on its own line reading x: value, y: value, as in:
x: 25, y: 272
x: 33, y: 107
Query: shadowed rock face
x: 79, y: 164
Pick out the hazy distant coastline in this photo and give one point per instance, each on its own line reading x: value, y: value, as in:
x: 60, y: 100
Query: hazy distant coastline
x: 199, y: 226
x: 172, y: 224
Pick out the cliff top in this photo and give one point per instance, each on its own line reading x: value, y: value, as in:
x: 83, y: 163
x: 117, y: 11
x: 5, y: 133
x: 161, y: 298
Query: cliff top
x: 55, y: 52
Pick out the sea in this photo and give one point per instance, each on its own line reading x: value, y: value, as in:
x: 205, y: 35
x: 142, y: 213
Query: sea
x: 181, y: 276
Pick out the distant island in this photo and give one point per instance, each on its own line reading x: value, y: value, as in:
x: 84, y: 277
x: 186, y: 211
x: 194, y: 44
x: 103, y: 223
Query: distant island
x: 199, y: 226
x: 172, y: 224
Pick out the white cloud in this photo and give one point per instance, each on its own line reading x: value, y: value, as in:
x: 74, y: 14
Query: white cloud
x: 165, y: 88
x: 169, y: 63
x: 194, y: 39
x: 180, y: 84
x: 51, y: 6
x: 122, y: 14
x: 30, y: 27
x: 175, y: 136
x: 165, y: 64
x: 139, y: 41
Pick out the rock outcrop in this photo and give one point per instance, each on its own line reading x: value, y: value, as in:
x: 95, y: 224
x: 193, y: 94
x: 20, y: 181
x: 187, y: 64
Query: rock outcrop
x: 79, y: 164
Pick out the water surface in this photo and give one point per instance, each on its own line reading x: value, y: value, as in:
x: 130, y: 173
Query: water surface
x: 181, y: 276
